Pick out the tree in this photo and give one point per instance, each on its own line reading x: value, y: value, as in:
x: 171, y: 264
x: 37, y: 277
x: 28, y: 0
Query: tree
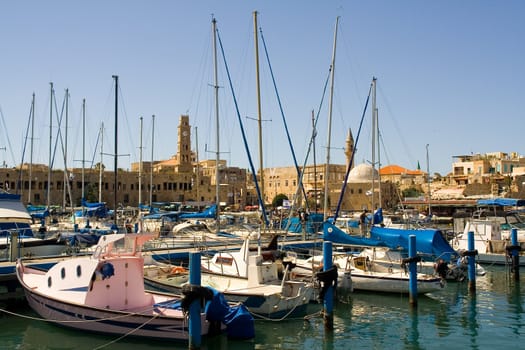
x: 411, y: 192
x: 278, y: 200
x: 98, y: 165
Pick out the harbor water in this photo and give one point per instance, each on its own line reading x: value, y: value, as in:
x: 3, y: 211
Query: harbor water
x: 492, y: 317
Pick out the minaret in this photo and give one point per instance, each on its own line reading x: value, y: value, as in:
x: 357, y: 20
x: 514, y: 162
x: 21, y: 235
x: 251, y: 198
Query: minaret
x: 349, y: 149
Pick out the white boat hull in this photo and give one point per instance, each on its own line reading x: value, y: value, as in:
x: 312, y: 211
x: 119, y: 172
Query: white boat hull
x: 272, y: 301
x: 136, y: 323
x: 390, y: 283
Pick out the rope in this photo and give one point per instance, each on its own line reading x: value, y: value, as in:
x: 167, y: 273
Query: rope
x: 243, y: 133
x: 127, y: 334
x: 98, y: 320
x: 264, y: 318
x: 70, y: 321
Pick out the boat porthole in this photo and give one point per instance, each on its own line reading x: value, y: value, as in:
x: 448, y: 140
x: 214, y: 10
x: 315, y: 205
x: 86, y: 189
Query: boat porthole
x: 126, y: 265
x: 79, y: 271
x: 49, y: 281
x: 63, y: 273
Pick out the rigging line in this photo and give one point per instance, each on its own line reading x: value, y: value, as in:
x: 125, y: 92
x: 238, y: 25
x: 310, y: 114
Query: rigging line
x: 397, y: 190
x: 20, y: 173
x: 95, y: 151
x: 351, y: 162
x: 59, y: 120
x: 198, y: 88
x: 355, y: 69
x: 130, y: 138
x: 254, y: 174
x: 77, y: 138
x: 59, y: 137
x: 63, y: 144
x: 7, y: 136
x: 385, y: 151
x: 396, y: 126
x: 284, y: 119
x: 310, y: 145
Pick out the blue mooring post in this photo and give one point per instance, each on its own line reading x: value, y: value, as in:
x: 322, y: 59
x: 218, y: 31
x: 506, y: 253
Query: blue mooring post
x: 195, y: 307
x: 514, y: 252
x: 412, y: 269
x: 329, y: 296
x: 471, y: 263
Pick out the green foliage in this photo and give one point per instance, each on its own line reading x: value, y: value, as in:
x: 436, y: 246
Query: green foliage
x: 278, y: 200
x: 411, y: 192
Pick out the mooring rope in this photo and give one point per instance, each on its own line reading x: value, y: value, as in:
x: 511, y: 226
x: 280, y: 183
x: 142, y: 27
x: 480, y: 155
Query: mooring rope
x: 299, y: 302
x: 127, y: 314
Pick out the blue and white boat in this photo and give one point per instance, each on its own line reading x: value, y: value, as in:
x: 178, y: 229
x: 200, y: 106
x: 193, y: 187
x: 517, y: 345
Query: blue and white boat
x: 17, y: 239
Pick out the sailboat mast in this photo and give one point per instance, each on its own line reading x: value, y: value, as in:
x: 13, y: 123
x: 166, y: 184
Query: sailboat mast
x: 48, y: 200
x: 116, y: 150
x: 374, y: 134
x: 217, y: 144
x: 101, y: 167
x: 140, y: 163
x: 151, y: 165
x: 259, y: 113
x: 315, y: 162
x: 428, y: 182
x: 66, y: 176
x: 197, y: 179
x: 83, y: 151
x: 327, y: 167
x: 380, y: 198
x: 31, y: 153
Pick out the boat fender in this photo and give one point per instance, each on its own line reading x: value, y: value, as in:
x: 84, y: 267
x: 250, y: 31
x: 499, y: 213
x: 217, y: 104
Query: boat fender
x: 177, y: 270
x: 327, y: 278
x: 107, y: 270
x: 194, y: 292
x: 468, y: 252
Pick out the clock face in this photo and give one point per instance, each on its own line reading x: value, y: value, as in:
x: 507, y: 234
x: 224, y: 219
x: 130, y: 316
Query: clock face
x: 184, y: 133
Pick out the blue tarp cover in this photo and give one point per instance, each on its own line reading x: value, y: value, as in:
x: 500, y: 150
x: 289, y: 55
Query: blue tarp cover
x: 502, y: 202
x: 171, y: 216
x: 334, y: 234
x: 428, y: 241
x: 209, y: 213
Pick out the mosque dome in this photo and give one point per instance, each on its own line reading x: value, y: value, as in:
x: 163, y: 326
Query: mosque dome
x: 363, y: 173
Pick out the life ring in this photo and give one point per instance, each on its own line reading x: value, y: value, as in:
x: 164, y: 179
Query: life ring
x: 177, y: 270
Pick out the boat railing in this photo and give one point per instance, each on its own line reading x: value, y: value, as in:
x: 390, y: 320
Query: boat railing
x: 222, y: 259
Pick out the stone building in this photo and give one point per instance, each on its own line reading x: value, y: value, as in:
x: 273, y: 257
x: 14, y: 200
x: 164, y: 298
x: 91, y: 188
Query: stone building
x: 179, y: 179
x: 358, y: 189
x: 186, y: 179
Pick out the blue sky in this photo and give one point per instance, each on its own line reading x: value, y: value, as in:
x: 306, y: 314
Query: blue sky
x: 450, y: 75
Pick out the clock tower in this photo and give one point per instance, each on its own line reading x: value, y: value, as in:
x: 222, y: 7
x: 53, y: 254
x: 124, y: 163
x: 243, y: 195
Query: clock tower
x: 184, y: 161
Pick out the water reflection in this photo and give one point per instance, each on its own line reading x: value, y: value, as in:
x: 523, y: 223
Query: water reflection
x: 493, y: 317
x: 515, y: 307
x: 412, y: 339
